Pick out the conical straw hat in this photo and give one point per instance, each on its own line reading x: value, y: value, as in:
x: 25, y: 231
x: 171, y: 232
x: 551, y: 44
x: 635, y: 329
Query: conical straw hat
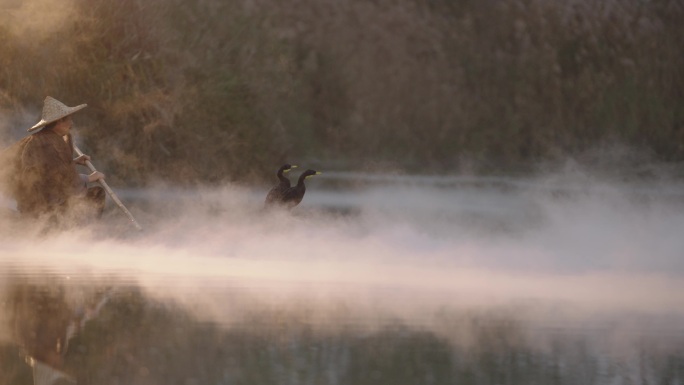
x: 54, y: 110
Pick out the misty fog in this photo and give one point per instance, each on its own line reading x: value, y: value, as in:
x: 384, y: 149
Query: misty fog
x: 460, y: 241
x: 501, y: 199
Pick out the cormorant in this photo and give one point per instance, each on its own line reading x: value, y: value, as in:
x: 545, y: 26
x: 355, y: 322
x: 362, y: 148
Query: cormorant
x: 293, y: 195
x: 275, y: 195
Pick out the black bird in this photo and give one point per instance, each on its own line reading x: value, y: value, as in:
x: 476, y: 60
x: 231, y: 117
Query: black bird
x: 275, y: 195
x: 293, y: 195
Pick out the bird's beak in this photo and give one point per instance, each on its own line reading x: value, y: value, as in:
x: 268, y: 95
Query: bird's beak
x: 318, y: 173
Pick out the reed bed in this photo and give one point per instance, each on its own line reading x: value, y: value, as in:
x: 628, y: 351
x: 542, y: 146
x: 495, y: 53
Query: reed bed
x: 210, y: 91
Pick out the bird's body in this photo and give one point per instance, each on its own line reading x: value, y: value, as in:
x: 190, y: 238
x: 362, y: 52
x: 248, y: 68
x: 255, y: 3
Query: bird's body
x: 292, y: 196
x: 275, y: 195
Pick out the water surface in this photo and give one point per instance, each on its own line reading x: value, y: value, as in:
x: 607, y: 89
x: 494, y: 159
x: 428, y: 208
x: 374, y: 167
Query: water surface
x: 374, y: 279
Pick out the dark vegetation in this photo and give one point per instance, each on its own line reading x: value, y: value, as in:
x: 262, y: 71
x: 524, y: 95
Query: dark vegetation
x: 211, y: 90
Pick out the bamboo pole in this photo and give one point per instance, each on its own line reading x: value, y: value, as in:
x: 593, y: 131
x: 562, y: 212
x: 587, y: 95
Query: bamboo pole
x: 110, y: 191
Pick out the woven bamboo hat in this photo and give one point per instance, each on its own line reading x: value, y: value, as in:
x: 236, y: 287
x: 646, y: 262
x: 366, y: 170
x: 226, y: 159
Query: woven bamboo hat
x: 54, y: 110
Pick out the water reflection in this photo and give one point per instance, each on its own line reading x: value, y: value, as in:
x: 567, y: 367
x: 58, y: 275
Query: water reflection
x: 140, y: 339
x: 413, y: 284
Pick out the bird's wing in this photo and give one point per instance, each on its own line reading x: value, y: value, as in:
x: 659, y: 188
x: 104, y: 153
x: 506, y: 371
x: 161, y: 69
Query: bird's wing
x: 293, y: 195
x: 274, y: 195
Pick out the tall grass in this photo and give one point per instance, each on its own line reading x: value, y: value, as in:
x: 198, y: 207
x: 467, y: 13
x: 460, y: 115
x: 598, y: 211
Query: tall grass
x: 211, y: 90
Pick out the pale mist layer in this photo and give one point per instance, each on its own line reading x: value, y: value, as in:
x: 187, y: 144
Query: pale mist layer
x: 570, y: 250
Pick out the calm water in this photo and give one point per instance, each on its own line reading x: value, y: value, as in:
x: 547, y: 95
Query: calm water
x: 374, y: 279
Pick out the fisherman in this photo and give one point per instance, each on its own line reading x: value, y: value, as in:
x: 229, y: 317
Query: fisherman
x: 45, y: 182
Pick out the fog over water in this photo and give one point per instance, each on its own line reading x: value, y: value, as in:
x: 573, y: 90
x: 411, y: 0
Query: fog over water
x: 463, y: 240
x: 574, y: 255
x: 574, y: 275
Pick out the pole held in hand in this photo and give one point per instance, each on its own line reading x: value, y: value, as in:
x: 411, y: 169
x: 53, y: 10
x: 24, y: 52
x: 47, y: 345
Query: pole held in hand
x: 109, y: 191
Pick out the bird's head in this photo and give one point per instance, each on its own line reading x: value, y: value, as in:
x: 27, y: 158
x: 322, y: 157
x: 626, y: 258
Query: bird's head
x: 309, y: 173
x: 287, y: 167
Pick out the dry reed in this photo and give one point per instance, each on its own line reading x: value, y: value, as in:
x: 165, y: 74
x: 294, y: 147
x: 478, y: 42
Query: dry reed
x: 207, y: 90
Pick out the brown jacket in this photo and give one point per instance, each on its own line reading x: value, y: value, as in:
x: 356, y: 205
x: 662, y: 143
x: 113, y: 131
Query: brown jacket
x: 45, y: 174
